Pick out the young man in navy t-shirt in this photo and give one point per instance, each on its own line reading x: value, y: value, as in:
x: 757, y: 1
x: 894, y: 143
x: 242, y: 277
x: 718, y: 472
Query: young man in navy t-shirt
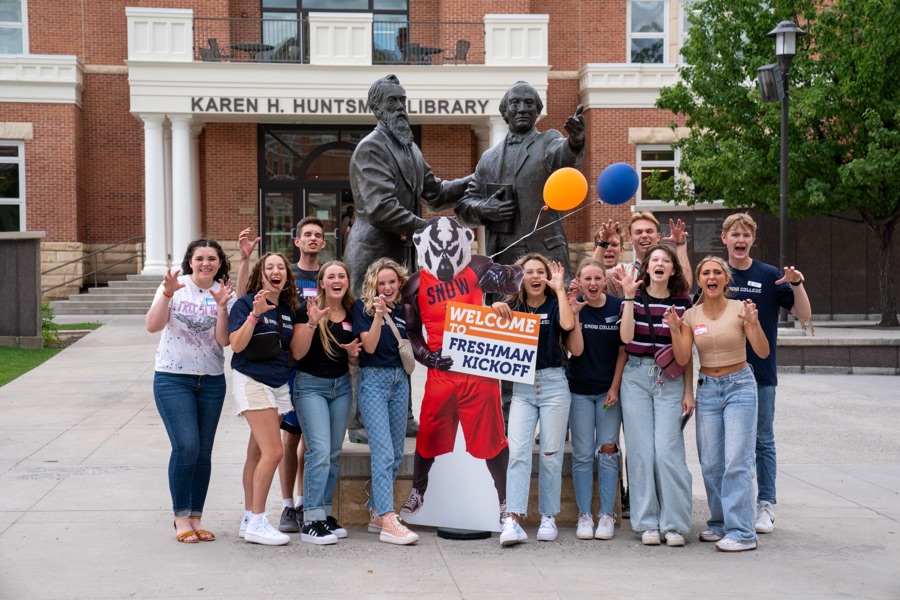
x: 769, y: 289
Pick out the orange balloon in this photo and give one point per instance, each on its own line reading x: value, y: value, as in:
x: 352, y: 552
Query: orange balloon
x: 565, y: 189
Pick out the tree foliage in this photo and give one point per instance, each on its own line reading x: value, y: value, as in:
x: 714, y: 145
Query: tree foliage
x: 844, y: 124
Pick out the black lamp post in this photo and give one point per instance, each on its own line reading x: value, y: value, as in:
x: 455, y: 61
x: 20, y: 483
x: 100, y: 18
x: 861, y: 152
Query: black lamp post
x: 770, y: 76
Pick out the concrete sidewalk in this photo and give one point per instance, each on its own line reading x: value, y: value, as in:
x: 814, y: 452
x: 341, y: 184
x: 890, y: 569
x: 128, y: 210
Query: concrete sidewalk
x: 85, y: 510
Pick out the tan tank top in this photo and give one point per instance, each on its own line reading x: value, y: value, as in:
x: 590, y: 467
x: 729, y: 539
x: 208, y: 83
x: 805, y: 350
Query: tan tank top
x: 721, y: 341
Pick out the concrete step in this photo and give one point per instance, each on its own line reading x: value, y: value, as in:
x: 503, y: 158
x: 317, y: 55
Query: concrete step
x: 137, y: 284
x: 125, y: 295
x: 68, y: 309
x: 104, y: 307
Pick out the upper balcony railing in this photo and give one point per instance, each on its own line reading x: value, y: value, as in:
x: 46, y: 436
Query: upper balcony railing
x: 288, y: 41
x: 336, y: 39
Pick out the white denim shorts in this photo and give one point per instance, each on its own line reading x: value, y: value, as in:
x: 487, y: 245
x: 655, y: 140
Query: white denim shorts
x: 250, y: 394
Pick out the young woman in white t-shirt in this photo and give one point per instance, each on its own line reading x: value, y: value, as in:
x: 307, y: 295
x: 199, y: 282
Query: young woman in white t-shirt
x: 191, y: 310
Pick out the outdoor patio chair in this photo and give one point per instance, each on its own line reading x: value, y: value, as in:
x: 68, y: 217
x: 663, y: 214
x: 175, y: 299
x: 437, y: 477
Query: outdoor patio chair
x: 461, y: 54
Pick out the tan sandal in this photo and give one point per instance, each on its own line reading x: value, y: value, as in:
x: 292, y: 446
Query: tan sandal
x: 183, y: 536
x: 204, y: 535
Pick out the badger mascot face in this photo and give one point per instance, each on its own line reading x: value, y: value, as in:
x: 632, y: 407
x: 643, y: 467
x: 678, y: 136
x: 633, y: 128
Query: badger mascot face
x: 444, y: 247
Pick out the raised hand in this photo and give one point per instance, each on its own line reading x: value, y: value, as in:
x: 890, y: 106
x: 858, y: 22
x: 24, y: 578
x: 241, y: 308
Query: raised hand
x: 607, y: 230
x: 791, y: 275
x: 225, y: 291
x: 575, y: 286
x: 352, y: 348
x: 171, y: 283
x: 673, y: 321
x: 246, y: 246
x: 749, y: 313
x: 557, y: 281
x: 315, y: 313
x: 260, y: 305
x: 677, y: 234
x: 627, y: 276
x: 575, y: 127
x: 380, y: 305
x: 574, y: 304
x: 502, y: 309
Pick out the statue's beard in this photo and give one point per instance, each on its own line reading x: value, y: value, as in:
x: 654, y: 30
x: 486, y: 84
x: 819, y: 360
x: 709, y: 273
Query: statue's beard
x: 399, y: 127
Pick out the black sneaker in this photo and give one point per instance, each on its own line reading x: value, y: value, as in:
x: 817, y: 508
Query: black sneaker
x: 335, y: 527
x: 315, y: 532
x: 289, y: 522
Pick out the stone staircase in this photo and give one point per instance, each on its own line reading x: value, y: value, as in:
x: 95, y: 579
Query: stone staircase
x: 129, y: 297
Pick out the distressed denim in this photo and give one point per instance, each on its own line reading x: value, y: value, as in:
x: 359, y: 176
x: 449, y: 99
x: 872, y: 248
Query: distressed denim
x: 591, y: 428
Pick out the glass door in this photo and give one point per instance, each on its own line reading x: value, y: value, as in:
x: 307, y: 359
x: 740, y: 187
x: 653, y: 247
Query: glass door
x: 279, y: 210
x: 325, y: 204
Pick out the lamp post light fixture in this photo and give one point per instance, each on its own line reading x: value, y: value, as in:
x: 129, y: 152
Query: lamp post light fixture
x: 770, y: 76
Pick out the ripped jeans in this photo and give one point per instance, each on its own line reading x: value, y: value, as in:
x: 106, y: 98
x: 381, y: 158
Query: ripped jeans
x: 547, y: 402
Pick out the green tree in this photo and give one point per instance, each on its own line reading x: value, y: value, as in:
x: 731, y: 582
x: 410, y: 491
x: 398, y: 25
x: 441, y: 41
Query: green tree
x: 844, y: 132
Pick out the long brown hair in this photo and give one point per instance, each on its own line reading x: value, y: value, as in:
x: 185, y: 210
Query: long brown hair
x: 519, y: 296
x: 288, y: 293
x: 677, y: 283
x: 329, y: 342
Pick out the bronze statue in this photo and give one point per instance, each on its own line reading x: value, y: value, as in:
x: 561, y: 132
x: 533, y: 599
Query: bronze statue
x: 389, y: 178
x: 506, y: 191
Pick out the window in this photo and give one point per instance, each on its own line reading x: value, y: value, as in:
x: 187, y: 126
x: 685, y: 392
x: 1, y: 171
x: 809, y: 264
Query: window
x: 647, y: 31
x: 13, y: 33
x: 687, y: 9
x: 654, y: 158
x: 12, y: 186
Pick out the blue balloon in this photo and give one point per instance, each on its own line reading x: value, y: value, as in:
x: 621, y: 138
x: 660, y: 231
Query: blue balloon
x: 617, y: 183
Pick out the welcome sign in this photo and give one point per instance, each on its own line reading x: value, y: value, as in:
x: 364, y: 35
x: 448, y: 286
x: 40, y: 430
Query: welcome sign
x: 481, y: 342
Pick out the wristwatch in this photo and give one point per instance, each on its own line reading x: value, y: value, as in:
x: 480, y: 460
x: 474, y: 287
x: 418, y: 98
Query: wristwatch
x: 601, y: 244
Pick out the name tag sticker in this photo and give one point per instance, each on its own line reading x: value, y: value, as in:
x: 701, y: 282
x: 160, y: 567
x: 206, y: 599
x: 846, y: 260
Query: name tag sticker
x: 754, y: 284
x: 347, y: 326
x: 700, y: 329
x: 209, y: 300
x: 309, y: 292
x: 612, y: 319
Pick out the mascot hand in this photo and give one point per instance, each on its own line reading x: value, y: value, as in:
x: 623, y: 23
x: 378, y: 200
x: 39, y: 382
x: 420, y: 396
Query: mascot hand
x: 502, y: 279
x: 436, y: 361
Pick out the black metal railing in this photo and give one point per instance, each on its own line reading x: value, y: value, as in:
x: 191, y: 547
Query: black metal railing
x: 135, y: 256
x: 287, y: 41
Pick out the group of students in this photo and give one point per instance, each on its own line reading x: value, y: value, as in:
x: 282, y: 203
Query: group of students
x: 293, y: 348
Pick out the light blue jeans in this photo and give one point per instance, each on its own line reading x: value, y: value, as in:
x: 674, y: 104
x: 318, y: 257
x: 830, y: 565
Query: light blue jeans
x: 765, y: 443
x: 726, y: 437
x: 659, y: 482
x: 323, y: 405
x: 547, y: 402
x: 591, y: 428
x: 383, y: 400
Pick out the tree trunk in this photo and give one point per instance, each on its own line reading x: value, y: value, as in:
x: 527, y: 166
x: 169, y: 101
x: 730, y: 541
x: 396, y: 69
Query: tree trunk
x: 885, y: 231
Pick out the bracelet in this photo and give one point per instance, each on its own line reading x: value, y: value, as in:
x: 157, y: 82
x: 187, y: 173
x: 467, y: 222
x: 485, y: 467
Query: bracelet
x: 681, y: 244
x: 793, y: 283
x: 167, y: 294
x: 627, y: 299
x: 602, y: 244
x: 252, y: 318
x: 311, y: 325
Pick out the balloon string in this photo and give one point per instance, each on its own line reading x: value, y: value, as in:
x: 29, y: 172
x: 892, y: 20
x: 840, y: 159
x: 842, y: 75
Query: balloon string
x: 536, y: 228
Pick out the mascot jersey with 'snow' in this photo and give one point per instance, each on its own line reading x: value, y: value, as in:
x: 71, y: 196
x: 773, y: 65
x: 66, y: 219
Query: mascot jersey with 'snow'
x: 449, y: 272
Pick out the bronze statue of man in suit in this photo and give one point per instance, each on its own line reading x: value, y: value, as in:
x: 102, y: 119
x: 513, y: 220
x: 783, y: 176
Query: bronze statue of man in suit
x: 506, y: 193
x: 389, y: 179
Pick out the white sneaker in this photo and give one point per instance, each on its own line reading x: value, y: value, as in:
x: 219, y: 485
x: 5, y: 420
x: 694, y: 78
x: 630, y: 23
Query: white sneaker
x: 765, y: 517
x: 512, y: 533
x: 585, y: 528
x: 547, y: 532
x: 674, y: 539
x: 245, y: 521
x: 727, y: 544
x: 710, y: 536
x: 606, y: 527
x: 650, y: 537
x: 260, y: 531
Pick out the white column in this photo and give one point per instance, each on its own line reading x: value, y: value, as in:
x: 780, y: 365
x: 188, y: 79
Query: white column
x: 196, y: 218
x: 499, y: 129
x: 155, y: 262
x: 182, y: 218
x: 174, y: 260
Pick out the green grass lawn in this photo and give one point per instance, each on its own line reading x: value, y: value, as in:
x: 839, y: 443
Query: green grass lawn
x: 15, y: 361
x: 76, y: 326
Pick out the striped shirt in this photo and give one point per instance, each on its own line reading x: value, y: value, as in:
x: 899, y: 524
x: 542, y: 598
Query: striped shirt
x: 641, y: 344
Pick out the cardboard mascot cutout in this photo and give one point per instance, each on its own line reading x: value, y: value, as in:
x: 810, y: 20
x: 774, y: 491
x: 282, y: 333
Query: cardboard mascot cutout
x: 448, y: 272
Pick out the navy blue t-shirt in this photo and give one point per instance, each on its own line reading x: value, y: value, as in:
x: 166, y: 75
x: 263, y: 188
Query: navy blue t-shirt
x: 306, y: 283
x: 549, y: 350
x: 387, y: 353
x: 758, y: 284
x: 273, y: 373
x: 592, y: 372
x: 316, y: 361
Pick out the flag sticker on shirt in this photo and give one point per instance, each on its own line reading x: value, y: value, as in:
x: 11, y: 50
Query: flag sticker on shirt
x: 347, y: 326
x: 700, y: 329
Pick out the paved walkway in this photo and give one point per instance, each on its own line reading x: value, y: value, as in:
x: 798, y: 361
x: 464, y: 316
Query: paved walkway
x: 84, y: 507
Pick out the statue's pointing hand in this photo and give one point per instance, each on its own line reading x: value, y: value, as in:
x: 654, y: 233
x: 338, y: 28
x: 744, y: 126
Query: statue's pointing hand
x: 575, y: 127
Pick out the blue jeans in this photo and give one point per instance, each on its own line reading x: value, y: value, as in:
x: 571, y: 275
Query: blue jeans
x: 765, y: 443
x: 323, y: 405
x: 547, y: 402
x: 383, y: 400
x: 659, y: 482
x: 726, y: 435
x: 190, y: 407
x: 592, y: 427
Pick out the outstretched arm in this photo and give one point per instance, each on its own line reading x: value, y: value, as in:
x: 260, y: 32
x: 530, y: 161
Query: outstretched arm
x: 496, y: 278
x: 432, y: 360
